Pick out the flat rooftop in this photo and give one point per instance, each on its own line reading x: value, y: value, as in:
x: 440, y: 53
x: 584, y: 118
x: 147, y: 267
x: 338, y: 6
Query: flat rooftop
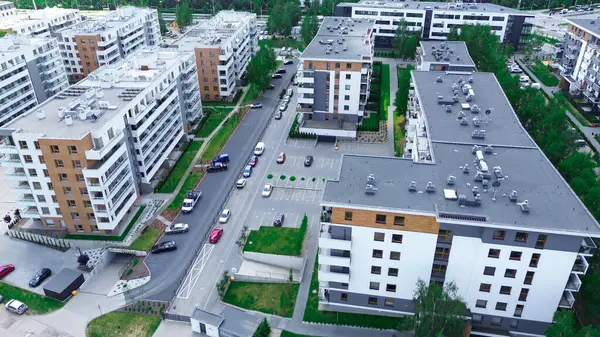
x: 32, y: 17
x: 118, y: 84
x: 512, y: 162
x: 212, y: 33
x: 441, y: 6
x: 341, y: 38
x: 446, y: 52
x: 114, y: 20
x: 13, y: 45
x: 591, y: 25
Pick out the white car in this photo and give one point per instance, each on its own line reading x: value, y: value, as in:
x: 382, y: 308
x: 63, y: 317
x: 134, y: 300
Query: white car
x: 285, y: 100
x: 256, y: 106
x: 240, y: 183
x: 16, y: 307
x: 259, y: 149
x: 224, y: 217
x: 266, y: 192
x: 177, y: 228
x: 282, y: 107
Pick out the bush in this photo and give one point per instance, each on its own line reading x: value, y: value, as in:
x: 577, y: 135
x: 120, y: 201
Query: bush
x: 269, y: 176
x: 314, y: 179
x: 222, y: 285
x: 129, y: 271
x: 292, y: 178
x: 302, y: 179
x: 282, y: 177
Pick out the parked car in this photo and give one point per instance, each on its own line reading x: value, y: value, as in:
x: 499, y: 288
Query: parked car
x: 285, y: 100
x: 278, y: 219
x: 191, y: 199
x: 17, y: 307
x: 247, y: 171
x: 253, y: 161
x: 216, y: 167
x: 281, y: 158
x: 222, y: 158
x: 290, y: 92
x: 271, y: 87
x: 308, y: 160
x: 278, y: 115
x: 39, y: 277
x: 288, y: 62
x: 259, y: 149
x: 276, y: 76
x: 282, y: 107
x: 282, y: 93
x: 177, y: 228
x: 256, y: 106
x: 240, y: 183
x: 281, y: 71
x: 165, y: 246
x: 6, y: 269
x: 215, y: 235
x: 224, y: 217
x: 266, y: 192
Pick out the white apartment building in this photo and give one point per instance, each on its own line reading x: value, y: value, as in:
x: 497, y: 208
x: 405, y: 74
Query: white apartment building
x: 223, y: 46
x: 436, y: 19
x: 444, y: 55
x: 91, y: 44
x: 82, y: 157
x: 580, y: 61
x: 7, y: 9
x: 30, y: 72
x: 334, y: 75
x: 496, y: 220
x: 41, y: 22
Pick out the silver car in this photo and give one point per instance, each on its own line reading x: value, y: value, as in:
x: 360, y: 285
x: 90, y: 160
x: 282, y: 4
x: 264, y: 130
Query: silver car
x: 16, y: 307
x: 177, y: 228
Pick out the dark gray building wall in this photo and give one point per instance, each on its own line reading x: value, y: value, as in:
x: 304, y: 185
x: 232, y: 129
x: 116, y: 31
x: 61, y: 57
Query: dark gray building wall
x: 320, y: 91
x: 34, y: 75
x: 182, y: 109
x: 523, y: 325
x: 340, y: 232
x: 515, y: 33
x: 345, y: 11
x: 320, y: 116
x: 362, y: 300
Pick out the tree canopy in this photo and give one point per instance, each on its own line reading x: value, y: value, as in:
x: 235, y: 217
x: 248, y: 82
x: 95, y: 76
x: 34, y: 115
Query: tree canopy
x: 309, y: 28
x: 438, y: 311
x: 183, y: 15
x: 406, y: 40
x: 283, y: 15
x: 260, y: 67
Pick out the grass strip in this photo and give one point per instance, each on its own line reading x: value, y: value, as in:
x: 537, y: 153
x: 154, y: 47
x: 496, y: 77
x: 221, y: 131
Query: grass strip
x: 271, y: 298
x: 107, y: 237
x: 184, y: 161
x: 278, y: 241
x: 123, y: 324
x: 37, y: 304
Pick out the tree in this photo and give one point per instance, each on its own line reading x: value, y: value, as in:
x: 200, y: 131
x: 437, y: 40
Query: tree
x: 310, y: 26
x: 257, y: 6
x: 162, y: 24
x: 438, y: 311
x: 406, y: 40
x: 183, y: 15
x: 260, y: 67
x: 263, y: 330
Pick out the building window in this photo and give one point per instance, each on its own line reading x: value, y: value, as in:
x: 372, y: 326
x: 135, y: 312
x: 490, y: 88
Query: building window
x: 79, y: 178
x: 59, y: 163
x: 505, y: 290
x: 496, y: 321
x: 346, y: 107
x: 87, y: 204
x: 348, y: 76
x: 27, y: 158
x: 541, y: 241
x: 514, y: 323
x: 494, y: 253
x: 442, y: 253
x: 95, y: 229
x: 374, y: 285
x: 41, y: 198
x: 41, y: 159
x: 376, y: 270
x: 23, y: 145
x: 348, y: 216
x: 516, y: 256
x: 63, y: 177
x: 379, y: 236
x: 36, y: 144
x: 397, y: 238
x: 76, y: 163
x: 372, y: 300
x: 74, y: 215
x: 394, y: 255
x: 347, y: 87
x: 54, y: 149
x: 535, y: 258
x: 83, y: 191
x: 490, y: 271
x: 54, y: 199
x: 58, y: 211
x: 380, y: 218
x: 79, y: 228
x: 485, y: 287
x: 501, y: 306
x: 71, y: 203
x: 481, y: 304
x: 388, y: 302
x: 343, y: 297
x: 377, y: 253
x: 391, y: 288
x: 510, y: 273
x: 67, y: 190
x: 50, y: 186
x: 477, y: 318
x: 521, y: 237
x: 347, y: 97
x: 499, y: 235
x: 72, y: 149
x: 37, y: 186
x: 519, y: 310
x: 392, y: 271
x: 398, y: 221
x: 529, y: 277
x: 32, y: 172
x: 523, y: 294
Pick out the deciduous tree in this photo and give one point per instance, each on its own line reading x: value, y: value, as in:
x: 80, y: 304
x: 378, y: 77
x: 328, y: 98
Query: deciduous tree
x: 438, y: 311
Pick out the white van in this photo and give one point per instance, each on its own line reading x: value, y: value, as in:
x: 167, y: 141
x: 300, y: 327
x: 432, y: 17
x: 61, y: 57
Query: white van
x: 524, y: 78
x: 259, y: 149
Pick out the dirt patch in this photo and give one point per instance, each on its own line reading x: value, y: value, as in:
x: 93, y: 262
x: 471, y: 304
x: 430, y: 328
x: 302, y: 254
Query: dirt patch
x: 146, y: 307
x: 135, y: 269
x: 169, y: 215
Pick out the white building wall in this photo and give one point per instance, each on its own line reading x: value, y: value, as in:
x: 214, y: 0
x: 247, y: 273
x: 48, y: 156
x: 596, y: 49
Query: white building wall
x: 354, y: 92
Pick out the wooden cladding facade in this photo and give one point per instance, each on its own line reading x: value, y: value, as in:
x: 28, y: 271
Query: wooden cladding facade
x: 412, y: 223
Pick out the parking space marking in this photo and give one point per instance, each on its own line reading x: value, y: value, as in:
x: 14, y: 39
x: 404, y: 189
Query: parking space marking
x: 294, y: 160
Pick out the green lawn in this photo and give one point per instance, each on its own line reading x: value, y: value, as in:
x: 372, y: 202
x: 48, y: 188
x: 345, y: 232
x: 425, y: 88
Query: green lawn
x: 146, y: 240
x: 189, y: 184
x: 220, y: 138
x: 275, y: 240
x: 385, y: 91
x: 251, y: 95
x: 217, y: 115
x: 107, y: 237
x: 271, y: 298
x: 545, y: 39
x: 401, y: 101
x: 542, y: 72
x: 282, y: 43
x: 285, y: 333
x: 37, y: 304
x: 312, y: 314
x: 123, y: 324
x: 170, y: 183
x: 560, y: 97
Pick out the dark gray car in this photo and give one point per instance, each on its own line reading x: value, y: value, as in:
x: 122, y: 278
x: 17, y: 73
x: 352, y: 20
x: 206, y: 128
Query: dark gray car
x: 278, y: 220
x: 39, y: 277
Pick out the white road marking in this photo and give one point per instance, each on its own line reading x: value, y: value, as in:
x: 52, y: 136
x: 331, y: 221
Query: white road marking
x: 192, y: 277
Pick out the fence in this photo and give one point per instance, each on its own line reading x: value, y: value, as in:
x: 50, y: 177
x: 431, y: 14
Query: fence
x: 38, y: 238
x: 174, y: 317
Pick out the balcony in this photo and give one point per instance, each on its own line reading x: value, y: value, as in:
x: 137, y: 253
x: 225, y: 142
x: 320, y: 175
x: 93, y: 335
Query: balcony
x: 325, y: 275
x: 30, y: 212
x: 567, y: 300
x: 327, y: 241
x: 325, y: 258
x: 21, y: 186
x: 16, y: 174
x: 26, y: 200
x: 11, y: 160
x: 580, y: 266
x: 7, y: 147
x: 574, y: 283
x: 588, y: 247
x: 99, y: 153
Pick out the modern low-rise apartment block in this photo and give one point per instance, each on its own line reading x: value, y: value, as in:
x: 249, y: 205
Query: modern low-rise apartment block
x: 477, y: 203
x: 445, y: 56
x: 334, y: 75
x: 91, y: 44
x: 580, y: 61
x: 435, y: 19
x: 41, y: 22
x: 81, y: 159
x: 30, y: 72
x: 7, y: 9
x: 223, y: 46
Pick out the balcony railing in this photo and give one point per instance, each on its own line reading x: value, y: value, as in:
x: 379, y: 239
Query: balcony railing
x: 588, y: 246
x: 574, y: 283
x: 567, y: 300
x: 580, y: 265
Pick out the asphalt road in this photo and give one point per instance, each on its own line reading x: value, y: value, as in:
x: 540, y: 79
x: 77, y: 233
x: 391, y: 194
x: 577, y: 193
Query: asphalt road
x: 169, y: 269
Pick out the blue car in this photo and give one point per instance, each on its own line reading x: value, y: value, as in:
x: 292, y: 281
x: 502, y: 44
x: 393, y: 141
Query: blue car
x: 222, y: 158
x: 247, y: 171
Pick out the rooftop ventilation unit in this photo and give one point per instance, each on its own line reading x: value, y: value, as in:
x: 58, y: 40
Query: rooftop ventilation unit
x: 470, y: 97
x: 475, y: 149
x: 474, y: 108
x: 479, y: 154
x: 40, y: 114
x: 439, y: 79
x: 475, y: 190
x: 455, y: 87
x: 463, y: 201
x: 461, y: 115
x: 458, y: 58
x: 460, y: 80
x: 455, y: 98
x: 489, y: 149
x: 448, y: 108
x: 450, y: 194
x: 513, y: 196
x: 498, y: 172
x: 485, y: 183
x: 524, y: 206
x: 412, y: 187
x: 429, y: 187
x: 478, y: 176
x: 466, y: 168
x: 68, y: 120
x: 478, y: 134
x: 370, y: 187
x: 470, y: 79
x: 476, y: 122
x: 464, y: 122
x: 451, y: 180
x: 483, y: 166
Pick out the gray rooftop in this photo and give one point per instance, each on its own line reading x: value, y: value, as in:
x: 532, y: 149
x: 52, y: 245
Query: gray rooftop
x: 437, y: 6
x: 591, y: 25
x: 523, y: 167
x: 63, y: 279
x: 347, y: 39
x: 450, y: 52
x: 207, y: 317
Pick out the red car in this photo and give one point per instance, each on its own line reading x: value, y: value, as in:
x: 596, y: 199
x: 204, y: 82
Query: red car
x: 253, y: 160
x: 6, y: 269
x: 215, y: 235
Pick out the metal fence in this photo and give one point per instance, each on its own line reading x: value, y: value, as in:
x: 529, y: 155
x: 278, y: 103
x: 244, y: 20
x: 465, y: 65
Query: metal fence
x: 179, y: 318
